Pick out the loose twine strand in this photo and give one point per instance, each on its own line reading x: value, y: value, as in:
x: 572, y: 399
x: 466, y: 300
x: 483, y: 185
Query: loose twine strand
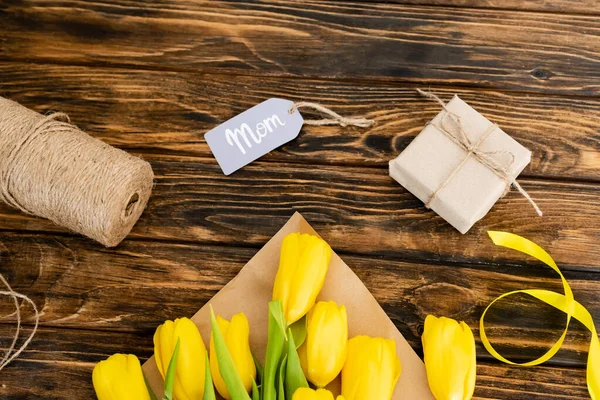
x: 336, y: 119
x: 12, y: 352
x: 462, y: 139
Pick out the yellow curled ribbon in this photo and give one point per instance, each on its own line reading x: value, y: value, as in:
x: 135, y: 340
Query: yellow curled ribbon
x: 564, y: 302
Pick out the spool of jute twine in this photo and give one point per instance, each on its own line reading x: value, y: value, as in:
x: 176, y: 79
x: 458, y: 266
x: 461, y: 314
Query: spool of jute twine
x: 52, y: 169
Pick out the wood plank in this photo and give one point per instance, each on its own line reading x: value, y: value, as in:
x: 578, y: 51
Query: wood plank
x: 359, y: 210
x: 63, y: 370
x: 548, y: 53
x: 167, y: 113
x: 62, y: 360
x: 501, y: 382
x: 591, y: 7
x: 78, y: 286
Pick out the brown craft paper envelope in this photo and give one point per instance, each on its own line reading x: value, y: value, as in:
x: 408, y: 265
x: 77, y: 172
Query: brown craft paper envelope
x: 250, y: 291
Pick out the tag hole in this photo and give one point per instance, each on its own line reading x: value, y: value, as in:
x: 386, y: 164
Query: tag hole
x: 131, y: 204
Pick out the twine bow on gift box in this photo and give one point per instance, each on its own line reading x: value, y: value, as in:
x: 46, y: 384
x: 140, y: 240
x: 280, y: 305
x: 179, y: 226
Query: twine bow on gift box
x: 459, y: 136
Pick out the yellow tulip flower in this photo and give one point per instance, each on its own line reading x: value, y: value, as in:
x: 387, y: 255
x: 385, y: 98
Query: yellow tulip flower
x: 191, y: 364
x: 237, y: 338
x: 303, y: 264
x: 372, y: 369
x: 120, y: 378
x: 324, y: 351
x: 450, y: 361
x: 311, y: 394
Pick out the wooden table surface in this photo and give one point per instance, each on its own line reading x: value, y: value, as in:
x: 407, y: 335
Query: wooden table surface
x: 151, y: 77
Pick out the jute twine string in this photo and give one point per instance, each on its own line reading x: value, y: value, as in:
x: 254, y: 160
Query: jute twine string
x: 51, y: 169
x: 458, y: 135
x: 12, y: 351
x: 336, y: 119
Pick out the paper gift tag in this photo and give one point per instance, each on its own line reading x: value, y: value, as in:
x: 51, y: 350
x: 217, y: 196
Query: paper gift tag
x: 253, y: 133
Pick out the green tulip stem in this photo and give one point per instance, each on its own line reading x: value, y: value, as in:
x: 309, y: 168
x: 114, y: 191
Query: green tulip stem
x: 255, y: 391
x: 259, y: 368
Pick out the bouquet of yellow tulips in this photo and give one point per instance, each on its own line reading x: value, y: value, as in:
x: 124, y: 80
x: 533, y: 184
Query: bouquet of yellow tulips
x: 307, y: 345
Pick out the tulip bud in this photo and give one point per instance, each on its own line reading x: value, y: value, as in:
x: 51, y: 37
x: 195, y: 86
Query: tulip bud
x: 191, y: 363
x: 119, y: 378
x: 372, y: 369
x: 324, y: 351
x: 450, y: 361
x: 311, y: 394
x: 303, y: 264
x: 237, y: 338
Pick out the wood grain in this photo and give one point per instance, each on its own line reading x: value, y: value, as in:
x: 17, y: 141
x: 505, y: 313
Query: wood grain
x: 548, y: 53
x: 359, y: 210
x: 152, y: 76
x: 591, y: 7
x: 78, y: 286
x: 63, y: 369
x: 151, y: 112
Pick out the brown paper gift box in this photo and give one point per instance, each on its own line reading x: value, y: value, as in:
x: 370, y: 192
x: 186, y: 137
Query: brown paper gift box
x: 432, y: 157
x: 250, y: 291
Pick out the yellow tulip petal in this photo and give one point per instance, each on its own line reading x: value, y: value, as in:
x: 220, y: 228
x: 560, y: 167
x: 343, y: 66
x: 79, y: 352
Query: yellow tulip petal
x: 119, y: 378
x: 302, y: 354
x: 449, y: 349
x: 371, y: 370
x: 238, y: 343
x: 163, y: 341
x: 311, y: 394
x: 325, y: 348
x: 189, y: 377
x: 288, y: 263
x: 470, y: 353
x: 223, y: 325
x: 323, y: 394
x: 303, y: 264
x: 237, y: 339
x: 191, y: 363
x: 308, y: 278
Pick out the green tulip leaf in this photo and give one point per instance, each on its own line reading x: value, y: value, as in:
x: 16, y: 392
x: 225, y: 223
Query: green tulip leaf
x: 171, y: 372
x: 281, y: 379
x: 227, y: 368
x: 209, y: 388
x: 275, y: 344
x: 298, y: 330
x: 294, y: 376
x: 255, y: 391
x: 276, y: 310
x: 150, y: 392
